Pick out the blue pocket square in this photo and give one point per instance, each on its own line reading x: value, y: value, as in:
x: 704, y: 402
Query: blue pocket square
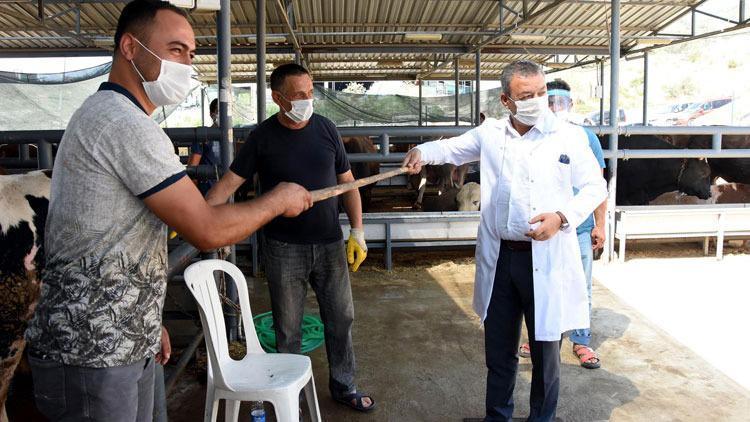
x: 564, y: 159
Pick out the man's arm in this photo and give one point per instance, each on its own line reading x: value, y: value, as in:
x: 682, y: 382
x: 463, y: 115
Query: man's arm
x: 458, y: 150
x: 194, y: 159
x: 180, y: 206
x: 598, y: 233
x: 224, y: 188
x: 352, y: 201
x: 586, y: 176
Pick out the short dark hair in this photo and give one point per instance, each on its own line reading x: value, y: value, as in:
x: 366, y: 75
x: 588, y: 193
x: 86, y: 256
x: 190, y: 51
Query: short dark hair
x: 558, y: 84
x: 520, y: 67
x: 278, y: 76
x: 137, y: 14
x: 214, y: 106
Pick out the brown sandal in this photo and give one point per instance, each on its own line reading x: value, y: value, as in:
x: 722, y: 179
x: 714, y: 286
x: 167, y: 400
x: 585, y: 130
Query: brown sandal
x: 524, y: 351
x: 588, y: 357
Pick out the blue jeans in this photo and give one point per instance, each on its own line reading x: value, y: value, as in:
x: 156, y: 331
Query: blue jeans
x: 583, y: 336
x: 289, y: 268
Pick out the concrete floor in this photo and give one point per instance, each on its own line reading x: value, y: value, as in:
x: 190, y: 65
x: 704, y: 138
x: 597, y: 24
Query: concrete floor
x: 420, y: 353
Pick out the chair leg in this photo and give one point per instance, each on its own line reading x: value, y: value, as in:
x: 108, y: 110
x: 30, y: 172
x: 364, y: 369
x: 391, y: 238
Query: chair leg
x: 212, y: 405
x: 287, y: 407
x: 311, y: 397
x: 232, y: 412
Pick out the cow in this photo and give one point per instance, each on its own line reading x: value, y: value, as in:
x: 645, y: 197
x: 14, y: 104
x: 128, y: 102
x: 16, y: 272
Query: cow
x: 730, y: 193
x: 24, y: 199
x: 467, y: 198
x: 445, y: 176
x: 678, y: 198
x: 640, y: 181
x: 361, y: 145
x: 735, y: 170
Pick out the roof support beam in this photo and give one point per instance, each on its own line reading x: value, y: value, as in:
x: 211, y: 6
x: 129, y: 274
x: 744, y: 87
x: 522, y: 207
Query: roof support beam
x: 500, y: 34
x: 288, y: 21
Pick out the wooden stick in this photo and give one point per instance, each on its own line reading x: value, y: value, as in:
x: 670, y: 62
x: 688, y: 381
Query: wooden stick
x: 321, y: 194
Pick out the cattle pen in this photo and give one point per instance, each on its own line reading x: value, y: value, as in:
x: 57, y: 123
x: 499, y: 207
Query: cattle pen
x: 471, y: 43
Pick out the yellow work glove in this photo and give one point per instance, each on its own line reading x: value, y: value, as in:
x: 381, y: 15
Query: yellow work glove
x: 356, y: 248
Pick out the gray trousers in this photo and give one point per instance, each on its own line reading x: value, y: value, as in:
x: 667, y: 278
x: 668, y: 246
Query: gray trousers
x: 290, y: 267
x: 73, y: 393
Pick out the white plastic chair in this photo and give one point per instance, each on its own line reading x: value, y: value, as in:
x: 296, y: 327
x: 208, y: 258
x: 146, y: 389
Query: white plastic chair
x: 276, y: 378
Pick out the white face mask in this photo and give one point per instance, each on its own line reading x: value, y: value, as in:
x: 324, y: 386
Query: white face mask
x: 173, y: 84
x: 529, y: 111
x: 215, y: 119
x: 301, y: 110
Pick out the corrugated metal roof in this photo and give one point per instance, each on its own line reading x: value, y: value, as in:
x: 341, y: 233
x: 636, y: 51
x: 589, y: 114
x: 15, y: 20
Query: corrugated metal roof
x: 363, y: 38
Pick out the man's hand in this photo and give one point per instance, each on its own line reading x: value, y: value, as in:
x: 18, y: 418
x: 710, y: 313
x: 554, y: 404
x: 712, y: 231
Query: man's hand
x: 356, y: 248
x: 166, y: 348
x: 291, y: 199
x: 413, y: 161
x: 597, y: 237
x: 549, y: 225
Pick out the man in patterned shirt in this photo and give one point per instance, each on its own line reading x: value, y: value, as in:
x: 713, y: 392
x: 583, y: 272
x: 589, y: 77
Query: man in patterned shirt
x: 116, y: 182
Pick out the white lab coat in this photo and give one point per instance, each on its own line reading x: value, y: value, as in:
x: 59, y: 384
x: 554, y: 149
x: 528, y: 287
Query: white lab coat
x: 560, y: 297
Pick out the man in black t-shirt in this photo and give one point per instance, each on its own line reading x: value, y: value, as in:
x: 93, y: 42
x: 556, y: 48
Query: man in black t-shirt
x: 298, y: 146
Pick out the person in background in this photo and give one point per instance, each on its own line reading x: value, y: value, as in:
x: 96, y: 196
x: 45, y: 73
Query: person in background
x: 207, y: 152
x: 590, y: 233
x: 298, y: 145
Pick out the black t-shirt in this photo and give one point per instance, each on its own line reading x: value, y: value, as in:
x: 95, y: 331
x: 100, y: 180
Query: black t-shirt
x: 312, y: 157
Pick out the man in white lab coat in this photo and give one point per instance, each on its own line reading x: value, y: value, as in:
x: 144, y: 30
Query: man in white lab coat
x: 528, y: 259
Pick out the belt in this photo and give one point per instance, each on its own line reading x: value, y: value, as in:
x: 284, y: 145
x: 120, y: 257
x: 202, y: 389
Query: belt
x: 516, y: 245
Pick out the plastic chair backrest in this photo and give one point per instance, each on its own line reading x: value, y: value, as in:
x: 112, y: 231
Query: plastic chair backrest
x: 199, y: 278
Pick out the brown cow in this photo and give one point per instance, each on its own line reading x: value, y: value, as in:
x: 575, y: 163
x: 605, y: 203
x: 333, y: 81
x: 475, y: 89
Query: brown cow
x: 445, y: 176
x: 362, y: 145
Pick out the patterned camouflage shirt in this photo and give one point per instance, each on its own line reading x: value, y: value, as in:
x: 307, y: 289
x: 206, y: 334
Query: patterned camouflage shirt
x: 104, y: 283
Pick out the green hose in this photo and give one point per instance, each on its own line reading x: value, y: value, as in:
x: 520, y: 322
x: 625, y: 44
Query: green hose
x: 312, y: 332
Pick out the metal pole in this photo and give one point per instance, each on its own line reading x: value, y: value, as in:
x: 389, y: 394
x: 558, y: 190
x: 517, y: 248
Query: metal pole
x: 203, y: 107
x: 44, y: 154
x: 601, y: 98
x: 614, y: 83
x: 24, y: 152
x: 260, y: 76
x: 692, y: 23
x: 645, y: 88
x: 502, y: 14
x: 742, y: 11
x: 477, y: 63
x: 226, y: 141
x: 456, y: 81
x: 419, y: 119
x: 385, y: 146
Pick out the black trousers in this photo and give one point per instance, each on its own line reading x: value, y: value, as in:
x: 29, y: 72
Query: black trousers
x: 512, y: 299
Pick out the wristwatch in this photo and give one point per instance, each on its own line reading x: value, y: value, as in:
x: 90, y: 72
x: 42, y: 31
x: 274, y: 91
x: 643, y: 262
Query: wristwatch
x: 563, y: 221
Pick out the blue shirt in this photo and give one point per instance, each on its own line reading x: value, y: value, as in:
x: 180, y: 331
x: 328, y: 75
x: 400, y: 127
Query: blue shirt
x: 210, y: 152
x: 596, y: 148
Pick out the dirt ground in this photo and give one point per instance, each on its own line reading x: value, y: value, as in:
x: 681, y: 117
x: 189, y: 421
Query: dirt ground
x: 420, y: 353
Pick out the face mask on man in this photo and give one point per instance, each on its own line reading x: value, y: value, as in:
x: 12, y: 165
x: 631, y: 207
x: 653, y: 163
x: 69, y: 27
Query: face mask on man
x: 173, y: 84
x: 529, y: 111
x: 301, y: 110
x: 215, y: 118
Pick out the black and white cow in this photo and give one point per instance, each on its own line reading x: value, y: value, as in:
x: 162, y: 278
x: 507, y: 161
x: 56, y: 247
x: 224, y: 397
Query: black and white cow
x: 24, y: 199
